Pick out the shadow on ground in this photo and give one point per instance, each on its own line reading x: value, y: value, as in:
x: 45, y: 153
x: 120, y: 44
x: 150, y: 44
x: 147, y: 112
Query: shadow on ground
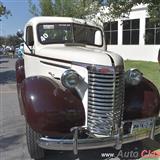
x: 5, y: 142
x: 7, y: 77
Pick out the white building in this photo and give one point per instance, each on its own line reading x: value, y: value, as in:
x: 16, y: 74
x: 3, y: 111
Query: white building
x: 134, y: 38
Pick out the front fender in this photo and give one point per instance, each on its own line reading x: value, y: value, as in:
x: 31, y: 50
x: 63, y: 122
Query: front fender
x: 141, y: 101
x: 20, y: 76
x: 49, y: 108
x: 20, y: 73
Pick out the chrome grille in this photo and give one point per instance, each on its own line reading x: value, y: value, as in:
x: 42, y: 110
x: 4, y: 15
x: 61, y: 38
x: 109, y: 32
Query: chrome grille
x: 105, y: 101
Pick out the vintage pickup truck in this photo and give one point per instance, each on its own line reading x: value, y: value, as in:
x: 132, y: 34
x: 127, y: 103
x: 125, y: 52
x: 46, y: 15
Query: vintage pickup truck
x: 76, y: 95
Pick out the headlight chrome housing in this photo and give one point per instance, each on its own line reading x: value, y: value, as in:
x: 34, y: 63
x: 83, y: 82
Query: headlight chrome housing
x: 133, y: 76
x: 70, y: 79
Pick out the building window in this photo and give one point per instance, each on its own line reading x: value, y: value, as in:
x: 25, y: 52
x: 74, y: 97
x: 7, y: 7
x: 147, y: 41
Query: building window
x: 152, y: 35
x: 131, y: 31
x: 111, y: 32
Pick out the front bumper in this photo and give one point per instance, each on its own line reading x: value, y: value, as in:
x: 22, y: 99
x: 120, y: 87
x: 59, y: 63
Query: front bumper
x: 91, y: 143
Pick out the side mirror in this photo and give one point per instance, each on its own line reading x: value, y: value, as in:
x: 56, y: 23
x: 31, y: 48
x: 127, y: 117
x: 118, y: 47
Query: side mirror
x: 31, y: 43
x: 98, y: 38
x: 20, y: 33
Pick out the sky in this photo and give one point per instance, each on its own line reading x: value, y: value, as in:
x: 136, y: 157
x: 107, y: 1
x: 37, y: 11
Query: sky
x: 20, y: 15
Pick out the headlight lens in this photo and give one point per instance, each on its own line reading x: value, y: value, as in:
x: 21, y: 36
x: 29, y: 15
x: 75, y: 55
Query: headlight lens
x: 70, y: 79
x: 133, y: 76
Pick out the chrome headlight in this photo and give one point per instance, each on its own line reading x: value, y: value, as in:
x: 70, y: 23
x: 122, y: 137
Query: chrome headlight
x: 133, y: 76
x: 70, y: 78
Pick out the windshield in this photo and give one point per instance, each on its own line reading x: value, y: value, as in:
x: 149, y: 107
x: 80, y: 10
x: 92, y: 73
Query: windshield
x: 61, y: 33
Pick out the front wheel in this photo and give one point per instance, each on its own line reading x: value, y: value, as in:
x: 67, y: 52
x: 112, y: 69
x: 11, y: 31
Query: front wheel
x: 35, y: 151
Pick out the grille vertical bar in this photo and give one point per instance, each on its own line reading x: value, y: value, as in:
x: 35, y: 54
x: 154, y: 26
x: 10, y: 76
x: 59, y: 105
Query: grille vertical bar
x: 105, y: 101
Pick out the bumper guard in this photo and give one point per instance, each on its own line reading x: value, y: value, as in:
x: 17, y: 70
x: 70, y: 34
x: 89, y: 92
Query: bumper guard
x: 91, y: 143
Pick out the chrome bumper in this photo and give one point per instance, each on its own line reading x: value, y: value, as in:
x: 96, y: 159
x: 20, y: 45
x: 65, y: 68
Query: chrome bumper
x: 91, y: 143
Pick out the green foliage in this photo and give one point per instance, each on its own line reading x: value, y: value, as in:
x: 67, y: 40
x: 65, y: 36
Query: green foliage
x: 2, y: 41
x: 33, y: 9
x: 121, y: 8
x: 46, y: 7
x: 10, y: 40
x: 82, y: 8
x: 67, y: 8
x: 4, y: 11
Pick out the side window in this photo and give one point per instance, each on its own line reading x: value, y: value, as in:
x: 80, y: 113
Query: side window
x: 29, y: 36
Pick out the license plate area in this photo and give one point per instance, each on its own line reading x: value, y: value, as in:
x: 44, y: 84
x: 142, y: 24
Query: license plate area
x: 141, y: 126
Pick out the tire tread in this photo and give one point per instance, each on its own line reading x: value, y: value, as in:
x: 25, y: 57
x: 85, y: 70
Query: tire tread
x: 34, y: 150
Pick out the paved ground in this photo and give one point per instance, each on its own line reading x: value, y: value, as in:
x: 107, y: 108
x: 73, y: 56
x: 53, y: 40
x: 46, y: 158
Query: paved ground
x: 12, y: 126
x: 12, y: 139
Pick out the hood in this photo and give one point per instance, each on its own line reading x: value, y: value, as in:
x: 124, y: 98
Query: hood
x: 81, y: 54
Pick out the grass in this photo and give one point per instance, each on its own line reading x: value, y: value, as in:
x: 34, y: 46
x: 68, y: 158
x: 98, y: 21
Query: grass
x: 150, y: 70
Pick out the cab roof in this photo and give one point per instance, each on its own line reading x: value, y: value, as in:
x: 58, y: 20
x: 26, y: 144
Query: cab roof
x: 51, y: 19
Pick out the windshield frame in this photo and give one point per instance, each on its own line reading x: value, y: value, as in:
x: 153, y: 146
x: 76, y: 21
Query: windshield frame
x: 72, y: 33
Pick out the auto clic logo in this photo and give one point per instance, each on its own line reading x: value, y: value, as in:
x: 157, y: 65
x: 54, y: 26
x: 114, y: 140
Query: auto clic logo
x: 131, y: 155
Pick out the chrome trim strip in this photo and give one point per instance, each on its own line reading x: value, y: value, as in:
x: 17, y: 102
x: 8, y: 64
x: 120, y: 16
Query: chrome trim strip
x: 90, y: 143
x: 93, y: 106
x: 100, y: 96
x: 55, y: 65
x: 102, y: 85
x: 100, y: 80
x: 100, y: 88
x: 100, y: 92
x: 48, y: 58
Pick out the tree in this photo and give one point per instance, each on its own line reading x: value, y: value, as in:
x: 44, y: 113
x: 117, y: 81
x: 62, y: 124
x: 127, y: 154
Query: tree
x: 45, y: 8
x: 82, y: 8
x: 70, y: 8
x: 10, y: 40
x: 2, y: 41
x: 120, y: 8
x: 4, y: 11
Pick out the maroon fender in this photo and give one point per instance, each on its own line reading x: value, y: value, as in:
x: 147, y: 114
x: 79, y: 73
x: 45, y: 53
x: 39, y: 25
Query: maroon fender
x: 20, y: 76
x: 141, y: 101
x: 50, y: 109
